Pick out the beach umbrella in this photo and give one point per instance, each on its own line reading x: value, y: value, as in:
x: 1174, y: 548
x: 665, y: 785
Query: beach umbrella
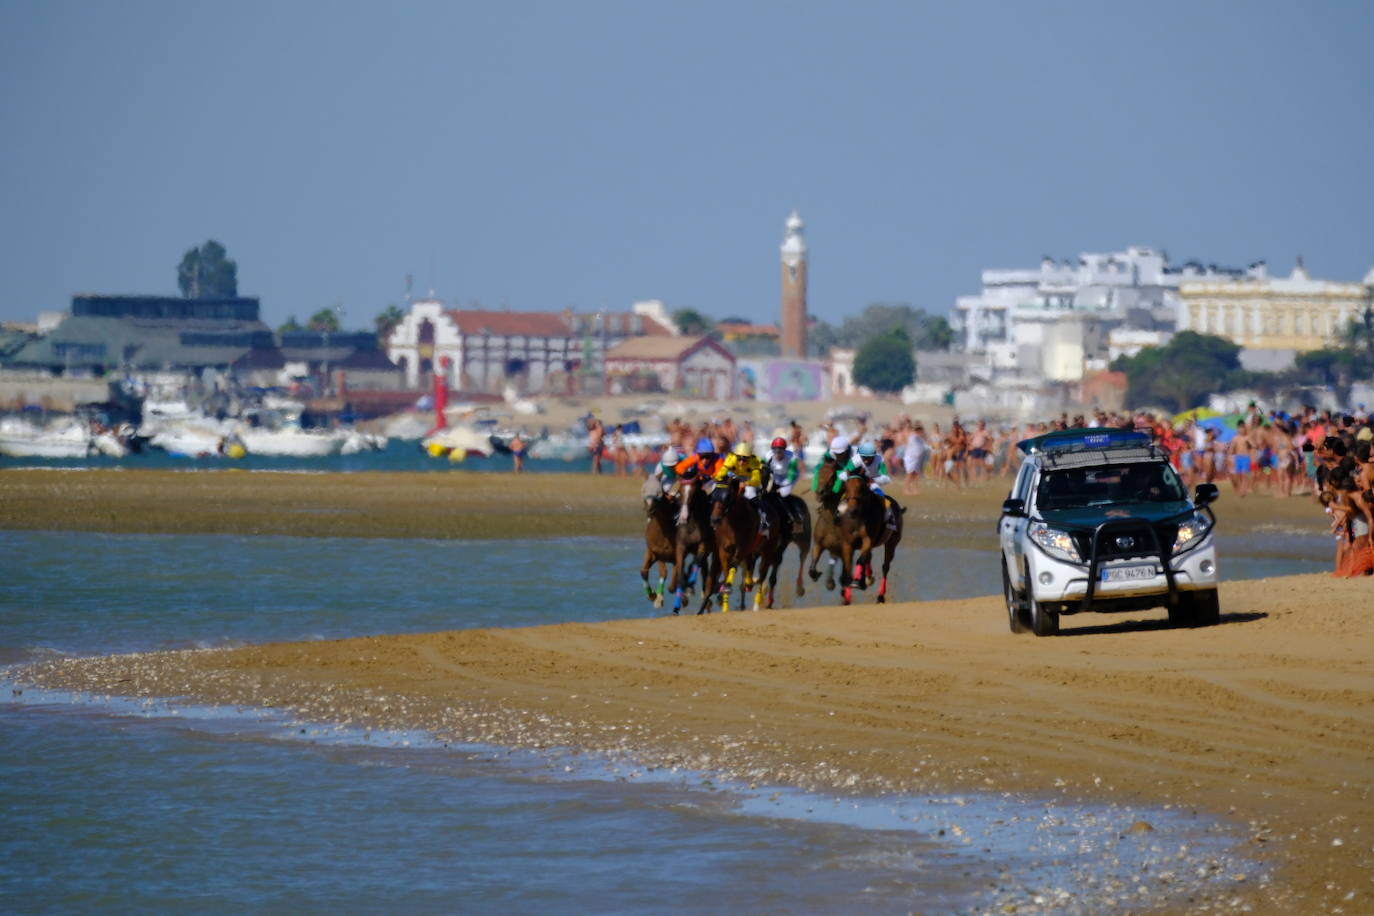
x: 1225, y: 425
x: 1196, y: 413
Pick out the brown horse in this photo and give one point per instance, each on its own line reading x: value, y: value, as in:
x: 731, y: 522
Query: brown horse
x: 794, y: 523
x: 660, y: 539
x: 860, y: 502
x: 739, y: 540
x: 835, y: 533
x: 695, y: 547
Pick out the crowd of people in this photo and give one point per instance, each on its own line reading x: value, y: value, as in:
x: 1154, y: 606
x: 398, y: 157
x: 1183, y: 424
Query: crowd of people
x: 1321, y: 454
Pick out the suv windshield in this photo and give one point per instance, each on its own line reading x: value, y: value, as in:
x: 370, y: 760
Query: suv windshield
x: 1076, y: 488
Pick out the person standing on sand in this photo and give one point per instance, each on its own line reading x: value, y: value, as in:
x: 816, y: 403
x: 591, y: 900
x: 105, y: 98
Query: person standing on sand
x: 596, y: 442
x: 979, y: 450
x: 1241, y: 451
x: 914, y: 452
x: 517, y: 452
x: 620, y: 455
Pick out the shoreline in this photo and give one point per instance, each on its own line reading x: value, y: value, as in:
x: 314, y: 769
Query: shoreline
x: 1263, y: 720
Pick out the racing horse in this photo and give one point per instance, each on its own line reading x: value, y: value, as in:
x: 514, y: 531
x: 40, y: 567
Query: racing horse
x: 795, y: 525
x: 695, y: 545
x: 740, y: 540
x: 660, y: 539
x: 835, y: 533
x: 859, y: 501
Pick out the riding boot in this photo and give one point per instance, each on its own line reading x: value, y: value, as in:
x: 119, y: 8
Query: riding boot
x: 888, y: 515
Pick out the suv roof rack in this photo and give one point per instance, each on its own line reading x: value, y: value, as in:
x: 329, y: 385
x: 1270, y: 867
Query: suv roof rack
x: 1083, y: 439
x: 1128, y: 454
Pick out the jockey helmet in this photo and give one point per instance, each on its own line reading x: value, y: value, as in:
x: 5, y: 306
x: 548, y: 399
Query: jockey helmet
x: 704, y: 446
x: 670, y: 455
x: 744, y: 449
x: 780, y: 442
x: 867, y: 450
x: 838, y: 444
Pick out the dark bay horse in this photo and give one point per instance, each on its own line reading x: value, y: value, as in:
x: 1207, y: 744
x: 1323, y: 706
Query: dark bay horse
x: 739, y: 540
x: 860, y: 502
x: 660, y: 539
x: 694, y: 551
x: 795, y: 528
x: 835, y: 533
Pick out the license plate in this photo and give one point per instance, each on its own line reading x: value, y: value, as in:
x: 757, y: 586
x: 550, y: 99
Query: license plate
x: 1129, y: 573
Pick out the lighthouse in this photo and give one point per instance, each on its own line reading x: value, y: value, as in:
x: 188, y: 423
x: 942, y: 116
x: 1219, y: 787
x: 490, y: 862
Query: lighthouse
x: 794, y: 288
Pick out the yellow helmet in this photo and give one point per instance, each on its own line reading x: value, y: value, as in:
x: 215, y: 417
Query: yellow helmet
x: 744, y: 449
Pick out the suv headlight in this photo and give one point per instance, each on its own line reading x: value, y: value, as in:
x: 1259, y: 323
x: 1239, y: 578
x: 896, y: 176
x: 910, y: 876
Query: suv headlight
x: 1054, y: 542
x: 1192, y: 532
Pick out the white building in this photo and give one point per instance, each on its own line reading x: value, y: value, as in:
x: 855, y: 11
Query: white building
x: 1273, y: 318
x: 696, y: 367
x: 1052, y: 321
x: 490, y: 351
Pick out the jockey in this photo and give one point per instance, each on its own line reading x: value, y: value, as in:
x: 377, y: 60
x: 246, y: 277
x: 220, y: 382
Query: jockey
x: 744, y: 464
x: 782, y: 474
x: 837, y: 455
x: 665, y: 472
x: 782, y: 468
x: 869, y: 463
x: 704, y: 461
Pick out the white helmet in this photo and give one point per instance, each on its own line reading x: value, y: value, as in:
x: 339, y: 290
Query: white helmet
x: 670, y: 455
x: 838, y: 444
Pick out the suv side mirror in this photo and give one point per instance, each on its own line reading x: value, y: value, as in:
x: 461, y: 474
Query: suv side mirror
x: 1206, y: 494
x: 1017, y: 507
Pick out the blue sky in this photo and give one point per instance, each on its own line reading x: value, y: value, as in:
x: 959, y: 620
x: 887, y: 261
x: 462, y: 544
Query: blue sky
x: 540, y: 155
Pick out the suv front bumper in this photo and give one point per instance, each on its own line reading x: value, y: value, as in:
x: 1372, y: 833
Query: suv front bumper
x: 1053, y: 580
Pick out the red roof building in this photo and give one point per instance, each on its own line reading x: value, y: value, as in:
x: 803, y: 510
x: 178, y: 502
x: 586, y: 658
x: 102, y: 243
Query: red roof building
x: 480, y: 350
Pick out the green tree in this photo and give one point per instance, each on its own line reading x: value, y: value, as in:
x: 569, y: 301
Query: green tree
x: 207, y: 273
x: 324, y: 320
x: 1182, y: 373
x: 690, y: 321
x: 935, y: 335
x: 927, y: 332
x: 884, y: 363
x: 387, y: 321
x: 291, y: 326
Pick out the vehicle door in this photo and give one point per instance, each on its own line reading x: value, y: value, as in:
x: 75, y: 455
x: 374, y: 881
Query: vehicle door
x: 1011, y: 529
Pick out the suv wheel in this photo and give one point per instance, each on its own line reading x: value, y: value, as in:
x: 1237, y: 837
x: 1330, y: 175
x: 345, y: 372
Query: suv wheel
x: 1197, y: 609
x: 1043, y: 621
x: 1016, y: 610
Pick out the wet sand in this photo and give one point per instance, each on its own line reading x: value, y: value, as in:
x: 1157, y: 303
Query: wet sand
x: 1266, y: 720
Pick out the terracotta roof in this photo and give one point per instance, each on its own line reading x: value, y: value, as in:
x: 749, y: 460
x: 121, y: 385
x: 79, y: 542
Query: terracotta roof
x: 737, y: 327
x: 660, y: 348
x: 511, y: 324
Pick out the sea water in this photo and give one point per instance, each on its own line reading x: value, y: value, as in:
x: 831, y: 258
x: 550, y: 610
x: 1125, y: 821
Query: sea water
x: 118, y: 805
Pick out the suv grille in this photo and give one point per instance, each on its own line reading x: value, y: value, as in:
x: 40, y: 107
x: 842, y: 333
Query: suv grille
x: 1125, y: 543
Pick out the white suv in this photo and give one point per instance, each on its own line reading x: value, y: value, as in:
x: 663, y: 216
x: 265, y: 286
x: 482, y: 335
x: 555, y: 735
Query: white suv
x: 1098, y: 521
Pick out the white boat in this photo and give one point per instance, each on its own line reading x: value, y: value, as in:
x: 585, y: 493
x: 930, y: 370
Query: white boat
x: 457, y: 439
x: 71, y: 439
x: 357, y: 441
x: 197, y: 439
x: 292, y: 442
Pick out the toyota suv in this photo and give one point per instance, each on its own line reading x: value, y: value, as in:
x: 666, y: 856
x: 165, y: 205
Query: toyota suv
x: 1097, y: 520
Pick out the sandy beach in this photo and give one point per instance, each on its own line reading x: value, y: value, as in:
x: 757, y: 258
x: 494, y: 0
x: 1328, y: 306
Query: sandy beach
x: 1266, y: 721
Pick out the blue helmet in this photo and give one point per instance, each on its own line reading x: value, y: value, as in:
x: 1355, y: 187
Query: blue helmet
x: 867, y: 450
x: 704, y: 446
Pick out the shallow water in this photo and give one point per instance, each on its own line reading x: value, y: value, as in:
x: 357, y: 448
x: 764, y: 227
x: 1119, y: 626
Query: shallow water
x: 131, y: 806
